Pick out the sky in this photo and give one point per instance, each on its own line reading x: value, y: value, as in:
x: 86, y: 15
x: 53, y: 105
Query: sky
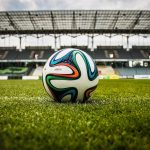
x: 8, y: 5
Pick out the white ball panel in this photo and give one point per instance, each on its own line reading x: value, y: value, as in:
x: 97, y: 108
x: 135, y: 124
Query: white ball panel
x: 63, y: 53
x: 58, y: 70
x: 90, y: 62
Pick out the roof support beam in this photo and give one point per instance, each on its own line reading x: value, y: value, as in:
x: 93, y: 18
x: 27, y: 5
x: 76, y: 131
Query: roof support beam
x: 115, y: 21
x: 148, y: 26
x: 35, y: 26
x: 93, y: 25
x: 12, y: 23
x: 135, y: 22
x: 74, y: 25
x: 53, y: 21
x: 83, y: 31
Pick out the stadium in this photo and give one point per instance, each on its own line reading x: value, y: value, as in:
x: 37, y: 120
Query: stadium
x: 117, y: 114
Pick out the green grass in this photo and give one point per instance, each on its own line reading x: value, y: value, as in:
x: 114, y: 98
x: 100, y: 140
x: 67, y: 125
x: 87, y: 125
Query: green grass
x: 117, y: 117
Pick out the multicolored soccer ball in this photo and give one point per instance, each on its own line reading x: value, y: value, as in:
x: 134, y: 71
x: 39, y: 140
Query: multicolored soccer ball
x: 70, y: 75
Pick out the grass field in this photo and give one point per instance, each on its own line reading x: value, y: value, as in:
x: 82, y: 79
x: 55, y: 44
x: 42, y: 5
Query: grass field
x: 116, y: 117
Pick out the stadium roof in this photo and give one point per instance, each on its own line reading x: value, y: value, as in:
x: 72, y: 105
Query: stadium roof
x: 75, y: 21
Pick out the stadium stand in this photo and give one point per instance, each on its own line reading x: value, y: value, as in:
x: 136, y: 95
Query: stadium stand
x: 124, y: 54
x: 101, y: 52
x: 3, y: 52
x: 38, y: 71
x: 111, y: 52
x: 137, y: 53
x: 29, y: 53
x: 105, y: 53
x: 133, y: 71
x: 8, y: 53
x: 39, y: 52
x: 83, y: 48
x: 106, y: 70
x: 144, y: 50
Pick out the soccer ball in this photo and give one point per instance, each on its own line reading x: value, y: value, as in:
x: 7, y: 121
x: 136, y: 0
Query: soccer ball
x: 70, y: 75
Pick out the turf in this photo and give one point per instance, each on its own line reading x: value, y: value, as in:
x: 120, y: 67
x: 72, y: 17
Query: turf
x: 116, y: 117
